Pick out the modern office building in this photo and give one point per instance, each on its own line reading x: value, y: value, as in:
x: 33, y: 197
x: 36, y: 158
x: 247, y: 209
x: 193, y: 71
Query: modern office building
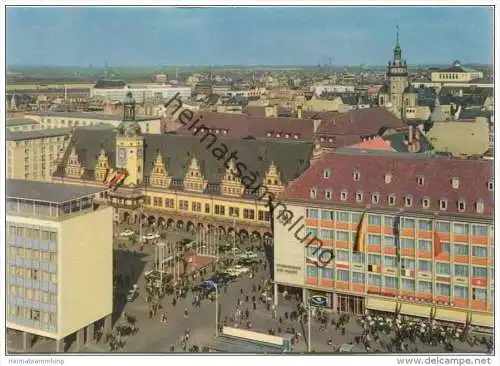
x: 59, y: 256
x: 34, y: 154
x: 141, y: 94
x: 53, y: 119
x: 391, y: 232
x: 17, y: 125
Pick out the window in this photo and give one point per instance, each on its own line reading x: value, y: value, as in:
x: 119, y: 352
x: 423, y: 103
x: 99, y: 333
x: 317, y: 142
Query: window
x: 407, y: 263
x: 312, y: 231
x: 343, y: 195
x: 426, y: 202
x: 356, y: 175
x: 461, y: 292
x: 312, y: 192
x: 478, y: 251
x: 312, y: 271
x: 35, y: 315
x: 461, y: 205
x: 425, y: 225
x: 425, y: 286
x: 478, y: 293
x: 389, y: 282
x: 479, y: 230
x: 358, y: 277
x: 408, y: 284
x: 219, y: 210
x: 442, y: 227
x: 248, y: 214
x: 390, y: 261
x: 355, y: 218
x: 442, y: 289
x: 408, y: 243
x: 326, y: 173
x: 342, y: 275
x: 424, y: 245
x: 374, y: 259
x: 374, y: 279
x: 424, y: 265
x: 326, y: 234
x: 313, y: 213
x: 479, y: 272
x: 328, y: 194
x: 420, y: 180
x: 326, y: 273
x: 374, y: 239
x: 455, y: 182
x: 490, y: 185
x: 408, y: 200
x: 375, y: 220
x: 443, y: 204
x: 461, y: 270
x: 389, y: 241
x: 461, y: 229
x: 357, y: 257
x: 388, y: 178
x: 342, y: 255
x: 389, y: 221
x: 392, y: 199
x: 375, y: 198
x: 460, y: 249
x: 408, y: 223
x: 207, y: 207
x: 359, y: 196
x: 234, y: 211
x: 342, y: 216
x: 480, y: 206
x: 327, y: 215
x: 443, y: 268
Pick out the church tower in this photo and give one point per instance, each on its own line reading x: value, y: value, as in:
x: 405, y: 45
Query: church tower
x: 397, y: 74
x: 130, y: 145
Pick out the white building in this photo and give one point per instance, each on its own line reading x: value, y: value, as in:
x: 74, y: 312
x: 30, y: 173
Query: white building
x: 141, y: 94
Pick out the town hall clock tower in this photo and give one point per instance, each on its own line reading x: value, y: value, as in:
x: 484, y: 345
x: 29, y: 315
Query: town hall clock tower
x: 397, y: 73
x: 130, y: 145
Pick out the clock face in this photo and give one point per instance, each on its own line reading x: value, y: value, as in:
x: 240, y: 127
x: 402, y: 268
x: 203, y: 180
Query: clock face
x: 121, y: 156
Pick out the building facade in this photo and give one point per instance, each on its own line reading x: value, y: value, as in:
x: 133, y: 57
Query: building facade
x: 149, y: 124
x: 59, y: 261
x: 143, y: 94
x: 17, y: 125
x: 34, y: 155
x: 391, y: 233
x: 185, y: 180
x: 455, y: 74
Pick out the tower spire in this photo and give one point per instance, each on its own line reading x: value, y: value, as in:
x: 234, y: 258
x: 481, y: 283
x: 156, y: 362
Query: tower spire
x: 397, y: 34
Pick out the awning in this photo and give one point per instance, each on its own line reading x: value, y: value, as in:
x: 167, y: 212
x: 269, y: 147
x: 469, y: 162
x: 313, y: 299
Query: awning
x: 483, y: 320
x: 378, y: 304
x: 420, y: 310
x: 451, y: 315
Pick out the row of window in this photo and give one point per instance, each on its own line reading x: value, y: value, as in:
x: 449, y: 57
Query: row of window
x: 33, y: 294
x: 423, y: 265
x: 32, y: 274
x: 403, y: 222
x: 441, y: 289
x: 30, y: 232
x: 33, y: 314
x: 34, y: 254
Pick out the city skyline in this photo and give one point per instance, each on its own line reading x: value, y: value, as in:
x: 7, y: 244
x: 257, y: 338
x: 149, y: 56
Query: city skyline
x: 257, y: 36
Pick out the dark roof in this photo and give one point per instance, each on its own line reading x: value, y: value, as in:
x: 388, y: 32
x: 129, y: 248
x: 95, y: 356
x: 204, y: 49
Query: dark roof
x: 399, y: 142
x: 48, y: 192
x: 239, y: 345
x: 474, y: 177
x: 109, y: 84
x: 177, y: 151
x: 20, y: 122
x: 38, y: 134
x: 242, y: 125
x: 472, y: 113
x: 483, y: 80
x: 91, y: 115
x: 348, y: 127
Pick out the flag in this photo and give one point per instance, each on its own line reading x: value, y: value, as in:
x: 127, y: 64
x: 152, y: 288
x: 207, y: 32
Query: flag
x: 437, y: 244
x: 359, y: 246
x: 110, y: 176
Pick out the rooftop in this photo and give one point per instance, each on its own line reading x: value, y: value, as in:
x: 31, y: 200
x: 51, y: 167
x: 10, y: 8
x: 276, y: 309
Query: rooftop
x: 45, y: 191
x: 20, y: 122
x: 89, y: 115
x: 40, y: 134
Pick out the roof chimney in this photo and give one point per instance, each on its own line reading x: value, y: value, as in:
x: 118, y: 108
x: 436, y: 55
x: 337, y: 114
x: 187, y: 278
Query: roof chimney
x: 410, y: 134
x: 316, y: 124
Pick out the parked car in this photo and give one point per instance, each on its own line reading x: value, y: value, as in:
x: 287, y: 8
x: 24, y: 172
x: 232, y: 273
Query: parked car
x: 238, y: 270
x: 132, y: 294
x: 249, y: 255
x: 126, y: 233
x: 151, y: 236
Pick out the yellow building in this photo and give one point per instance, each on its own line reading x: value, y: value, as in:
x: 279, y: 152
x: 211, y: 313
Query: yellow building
x: 17, y: 125
x: 185, y: 180
x: 149, y: 124
x: 59, y: 249
x: 33, y: 155
x: 455, y: 74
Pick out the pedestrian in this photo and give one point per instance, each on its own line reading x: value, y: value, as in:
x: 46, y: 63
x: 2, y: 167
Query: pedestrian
x: 186, y: 313
x: 254, y: 305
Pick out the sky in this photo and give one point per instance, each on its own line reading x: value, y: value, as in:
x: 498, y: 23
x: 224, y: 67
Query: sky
x: 246, y: 36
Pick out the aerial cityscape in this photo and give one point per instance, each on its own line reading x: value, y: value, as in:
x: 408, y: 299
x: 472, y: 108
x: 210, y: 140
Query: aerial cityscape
x: 249, y: 180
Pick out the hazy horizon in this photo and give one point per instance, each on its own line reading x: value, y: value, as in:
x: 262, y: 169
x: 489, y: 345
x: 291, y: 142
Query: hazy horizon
x: 246, y: 37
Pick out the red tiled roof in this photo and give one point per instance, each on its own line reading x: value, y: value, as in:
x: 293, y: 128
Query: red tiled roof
x: 241, y: 125
x: 368, y: 121
x: 438, y: 173
x: 377, y: 143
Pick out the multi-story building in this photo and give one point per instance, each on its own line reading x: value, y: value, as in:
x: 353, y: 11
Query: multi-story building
x: 455, y: 74
x: 149, y: 124
x: 33, y: 155
x: 17, y: 125
x: 59, y: 261
x: 391, y: 232
x: 182, y: 180
x: 141, y: 93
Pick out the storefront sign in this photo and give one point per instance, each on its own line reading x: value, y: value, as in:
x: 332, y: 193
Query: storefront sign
x: 320, y: 299
x: 287, y: 268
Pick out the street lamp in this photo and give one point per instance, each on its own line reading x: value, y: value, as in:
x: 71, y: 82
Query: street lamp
x: 212, y: 283
x: 234, y: 235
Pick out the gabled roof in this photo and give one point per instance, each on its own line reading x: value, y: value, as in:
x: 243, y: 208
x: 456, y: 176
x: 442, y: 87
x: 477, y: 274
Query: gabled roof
x: 376, y: 143
x: 404, y: 170
x: 177, y: 151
